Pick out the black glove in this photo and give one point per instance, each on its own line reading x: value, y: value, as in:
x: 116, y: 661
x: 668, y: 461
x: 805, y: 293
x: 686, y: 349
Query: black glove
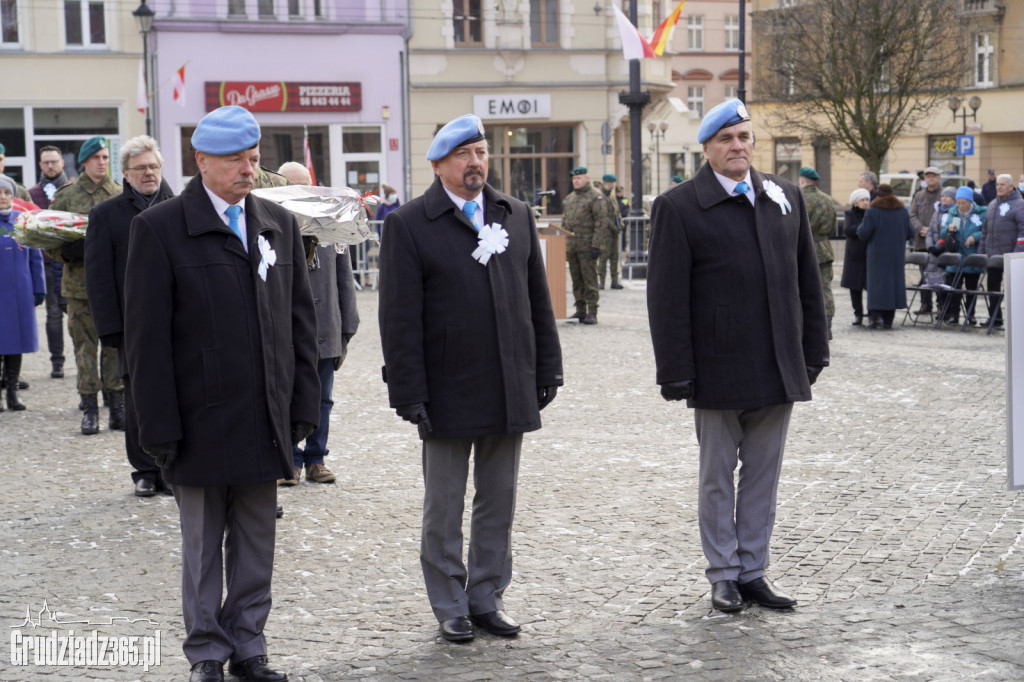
x: 594, y: 252
x: 545, y: 394
x: 73, y: 250
x: 415, y: 413
x: 337, y: 362
x: 677, y: 390
x: 112, y: 340
x: 301, y: 431
x: 40, y: 298
x: 163, y: 454
x: 812, y: 373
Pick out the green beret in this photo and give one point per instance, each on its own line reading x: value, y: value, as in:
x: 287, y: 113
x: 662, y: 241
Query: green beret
x: 809, y: 173
x: 582, y: 170
x: 91, y: 146
x: 677, y: 179
x: 609, y: 177
x: 3, y: 149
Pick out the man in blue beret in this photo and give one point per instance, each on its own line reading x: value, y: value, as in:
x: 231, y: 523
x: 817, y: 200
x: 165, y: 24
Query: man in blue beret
x: 739, y: 332
x: 608, y: 261
x: 220, y: 335
x: 471, y: 356
x: 821, y: 213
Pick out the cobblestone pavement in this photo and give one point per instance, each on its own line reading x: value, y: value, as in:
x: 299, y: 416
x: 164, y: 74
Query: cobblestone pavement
x: 895, y: 529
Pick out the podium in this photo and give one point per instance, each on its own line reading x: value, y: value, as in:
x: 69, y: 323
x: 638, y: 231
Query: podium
x: 552, y: 244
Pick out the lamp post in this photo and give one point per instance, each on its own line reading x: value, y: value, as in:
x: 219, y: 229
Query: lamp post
x: 657, y: 131
x: 974, y: 103
x: 144, y: 20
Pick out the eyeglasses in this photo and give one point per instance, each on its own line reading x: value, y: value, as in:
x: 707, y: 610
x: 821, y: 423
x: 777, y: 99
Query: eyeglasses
x: 49, y: 163
x: 152, y: 168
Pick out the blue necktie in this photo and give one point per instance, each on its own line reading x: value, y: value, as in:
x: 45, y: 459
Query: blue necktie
x: 741, y: 188
x: 233, y: 213
x: 469, y: 208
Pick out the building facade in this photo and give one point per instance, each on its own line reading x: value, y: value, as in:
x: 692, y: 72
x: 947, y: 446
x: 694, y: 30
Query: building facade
x: 991, y: 136
x: 545, y: 77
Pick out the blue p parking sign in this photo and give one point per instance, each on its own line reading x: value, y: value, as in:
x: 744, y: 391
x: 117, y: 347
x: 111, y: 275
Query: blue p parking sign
x: 965, y: 145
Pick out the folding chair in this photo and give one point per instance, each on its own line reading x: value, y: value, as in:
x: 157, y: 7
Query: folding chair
x: 919, y: 259
x: 968, y: 298
x: 946, y: 260
x: 994, y: 298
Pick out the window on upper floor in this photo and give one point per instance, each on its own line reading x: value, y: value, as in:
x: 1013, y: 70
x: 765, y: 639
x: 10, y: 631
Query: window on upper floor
x: 731, y: 91
x: 236, y: 9
x: 9, y: 22
x: 468, y: 22
x: 265, y: 9
x: 787, y: 3
x: 544, y: 22
x: 983, y: 52
x: 732, y: 33
x: 85, y: 23
x: 695, y: 33
x: 695, y: 100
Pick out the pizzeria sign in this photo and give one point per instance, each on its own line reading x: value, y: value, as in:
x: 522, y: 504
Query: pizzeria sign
x: 284, y: 96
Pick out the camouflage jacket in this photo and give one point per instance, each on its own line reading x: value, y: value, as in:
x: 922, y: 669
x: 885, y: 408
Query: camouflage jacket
x: 79, y: 196
x: 268, y: 178
x: 587, y: 216
x: 613, y: 209
x: 821, y: 214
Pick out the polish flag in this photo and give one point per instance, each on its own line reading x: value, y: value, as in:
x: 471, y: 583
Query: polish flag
x: 633, y: 44
x: 179, y: 86
x: 141, y: 102
x: 307, y: 156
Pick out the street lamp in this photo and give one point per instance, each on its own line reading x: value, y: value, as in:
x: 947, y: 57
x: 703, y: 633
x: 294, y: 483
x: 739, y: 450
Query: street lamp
x: 974, y: 103
x: 144, y: 20
x: 657, y: 131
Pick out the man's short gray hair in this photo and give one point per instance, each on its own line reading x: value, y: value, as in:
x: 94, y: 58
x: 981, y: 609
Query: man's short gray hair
x: 296, y: 173
x: 139, y: 145
x: 1006, y: 177
x: 870, y: 177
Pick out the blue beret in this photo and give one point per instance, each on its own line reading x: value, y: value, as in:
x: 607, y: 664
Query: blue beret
x: 809, y: 173
x: 463, y: 130
x: 227, y: 130
x: 91, y: 146
x: 609, y: 177
x: 728, y: 113
x: 582, y: 170
x: 965, y: 192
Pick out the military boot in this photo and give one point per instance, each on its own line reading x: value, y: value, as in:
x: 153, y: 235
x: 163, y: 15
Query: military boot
x: 590, y: 318
x: 91, y: 418
x: 12, y: 368
x: 117, y: 419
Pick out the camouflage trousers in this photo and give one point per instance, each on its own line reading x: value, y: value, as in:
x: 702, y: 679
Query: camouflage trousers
x: 583, y: 270
x: 609, y: 258
x: 826, y: 289
x: 83, y: 334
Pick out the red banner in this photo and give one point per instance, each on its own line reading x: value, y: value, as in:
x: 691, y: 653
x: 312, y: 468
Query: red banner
x: 282, y: 96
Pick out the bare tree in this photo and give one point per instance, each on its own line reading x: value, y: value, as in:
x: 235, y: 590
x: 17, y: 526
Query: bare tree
x: 859, y: 72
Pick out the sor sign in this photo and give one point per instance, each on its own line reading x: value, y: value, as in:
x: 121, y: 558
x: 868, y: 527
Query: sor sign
x: 512, y: 106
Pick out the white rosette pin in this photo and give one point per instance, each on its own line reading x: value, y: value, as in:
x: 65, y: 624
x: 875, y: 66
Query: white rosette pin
x: 976, y: 219
x: 267, y: 256
x: 776, y: 194
x: 1004, y: 209
x: 493, y: 240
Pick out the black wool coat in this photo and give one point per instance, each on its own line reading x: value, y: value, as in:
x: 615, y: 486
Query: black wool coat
x: 221, y: 360
x: 106, y: 259
x: 472, y: 342
x: 734, y: 293
x: 855, y: 260
x: 886, y: 230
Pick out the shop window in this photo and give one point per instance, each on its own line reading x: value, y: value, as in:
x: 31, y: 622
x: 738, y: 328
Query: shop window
x: 84, y: 23
x: 468, y: 23
x: 532, y: 163
x: 75, y: 121
x: 544, y: 23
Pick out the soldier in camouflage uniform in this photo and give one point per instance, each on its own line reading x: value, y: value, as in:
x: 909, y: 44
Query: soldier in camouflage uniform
x: 609, y: 259
x: 821, y: 213
x: 588, y: 218
x: 79, y: 196
x: 267, y: 178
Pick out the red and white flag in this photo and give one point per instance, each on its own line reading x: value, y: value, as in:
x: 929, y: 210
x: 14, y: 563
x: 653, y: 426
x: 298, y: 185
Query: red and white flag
x: 179, y: 86
x: 141, y: 101
x: 307, y: 156
x: 634, y: 46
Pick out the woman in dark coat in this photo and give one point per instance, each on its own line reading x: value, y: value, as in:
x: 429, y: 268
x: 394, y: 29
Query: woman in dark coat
x: 22, y: 287
x: 855, y: 260
x: 886, y: 229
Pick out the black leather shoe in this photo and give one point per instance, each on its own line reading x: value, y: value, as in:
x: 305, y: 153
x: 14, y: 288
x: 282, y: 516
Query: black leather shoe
x: 616, y: 285
x: 145, y: 488
x: 255, y: 669
x: 725, y: 596
x: 764, y: 593
x: 496, y: 623
x: 457, y: 629
x: 280, y: 511
x: 207, y: 671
